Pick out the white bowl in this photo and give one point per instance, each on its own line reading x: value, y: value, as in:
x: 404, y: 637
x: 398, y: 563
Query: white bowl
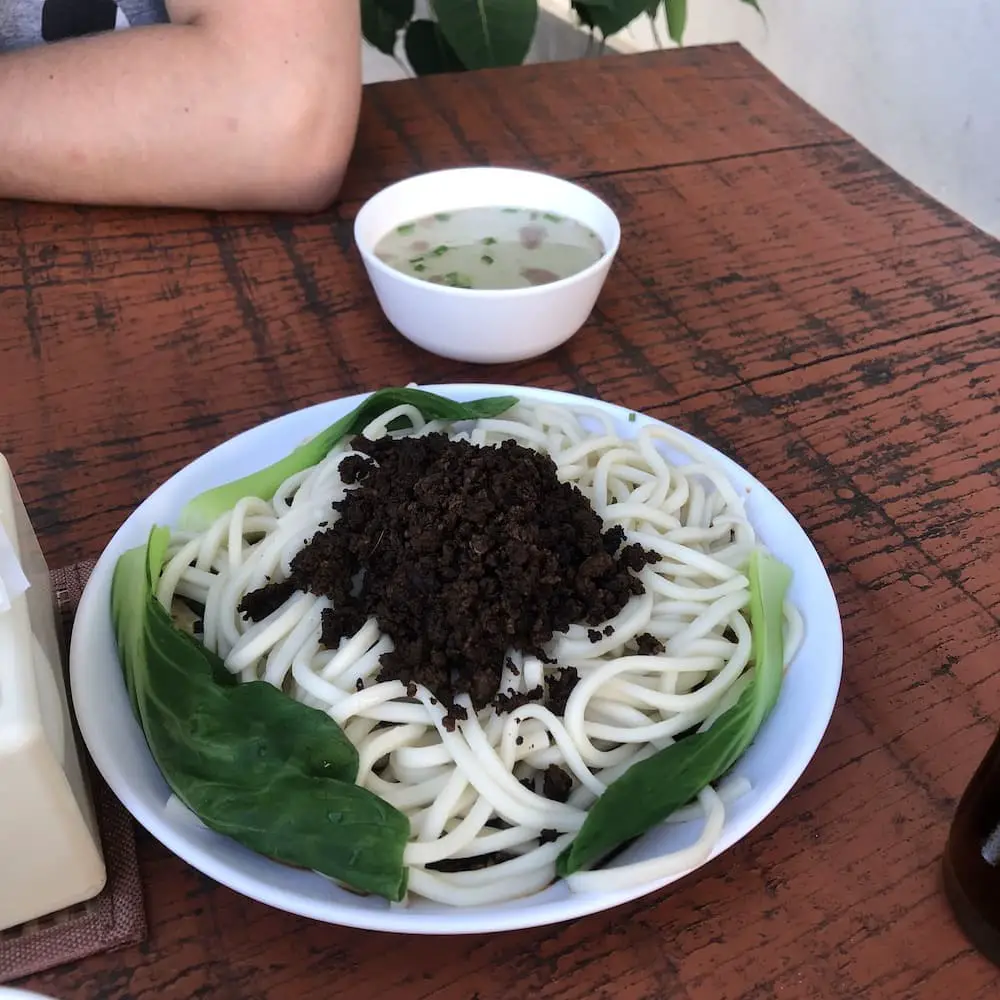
x: 773, y: 763
x: 484, y: 325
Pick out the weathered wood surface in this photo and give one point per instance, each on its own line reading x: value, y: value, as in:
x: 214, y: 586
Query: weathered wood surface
x: 781, y: 294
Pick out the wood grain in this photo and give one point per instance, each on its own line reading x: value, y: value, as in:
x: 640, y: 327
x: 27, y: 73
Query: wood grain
x: 780, y: 293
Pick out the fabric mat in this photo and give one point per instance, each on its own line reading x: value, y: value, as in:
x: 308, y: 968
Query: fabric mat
x: 114, y: 919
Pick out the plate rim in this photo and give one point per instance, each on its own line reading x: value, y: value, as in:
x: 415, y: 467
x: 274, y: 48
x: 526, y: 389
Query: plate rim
x: 93, y: 617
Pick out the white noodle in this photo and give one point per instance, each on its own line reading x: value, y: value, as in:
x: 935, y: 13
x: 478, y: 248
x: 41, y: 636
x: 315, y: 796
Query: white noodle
x: 462, y: 789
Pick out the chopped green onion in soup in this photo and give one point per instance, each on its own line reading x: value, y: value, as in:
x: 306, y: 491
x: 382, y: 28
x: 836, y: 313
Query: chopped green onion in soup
x: 527, y: 247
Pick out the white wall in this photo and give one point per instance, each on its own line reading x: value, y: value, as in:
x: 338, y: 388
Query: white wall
x: 916, y: 81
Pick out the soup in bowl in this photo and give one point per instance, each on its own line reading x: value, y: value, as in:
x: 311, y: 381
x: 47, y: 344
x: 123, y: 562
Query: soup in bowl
x: 491, y: 247
x: 487, y: 264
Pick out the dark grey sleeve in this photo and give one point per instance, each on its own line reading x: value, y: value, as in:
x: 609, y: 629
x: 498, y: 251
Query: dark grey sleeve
x: 143, y: 11
x: 20, y: 23
x: 30, y: 22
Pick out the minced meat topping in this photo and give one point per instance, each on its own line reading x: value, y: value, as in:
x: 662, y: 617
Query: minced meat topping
x: 460, y: 553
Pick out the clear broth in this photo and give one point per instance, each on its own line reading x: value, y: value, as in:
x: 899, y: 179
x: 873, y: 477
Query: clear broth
x: 491, y: 248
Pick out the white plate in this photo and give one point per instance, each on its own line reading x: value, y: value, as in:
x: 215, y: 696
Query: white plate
x: 773, y: 763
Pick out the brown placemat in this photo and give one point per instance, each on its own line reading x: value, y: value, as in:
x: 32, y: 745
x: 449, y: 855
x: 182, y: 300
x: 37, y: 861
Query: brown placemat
x: 114, y: 919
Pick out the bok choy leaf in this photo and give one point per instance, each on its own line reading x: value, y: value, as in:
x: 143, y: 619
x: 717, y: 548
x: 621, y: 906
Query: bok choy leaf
x: 649, y: 791
x: 249, y: 761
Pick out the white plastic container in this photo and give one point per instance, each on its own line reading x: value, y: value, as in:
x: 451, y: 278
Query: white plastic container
x: 50, y: 855
x: 489, y: 326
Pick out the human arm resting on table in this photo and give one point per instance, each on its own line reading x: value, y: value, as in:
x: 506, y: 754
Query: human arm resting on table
x: 234, y: 104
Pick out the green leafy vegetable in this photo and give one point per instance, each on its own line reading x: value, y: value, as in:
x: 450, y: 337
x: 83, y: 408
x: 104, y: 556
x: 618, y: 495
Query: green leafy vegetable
x: 203, y: 510
x: 250, y: 762
x: 652, y: 789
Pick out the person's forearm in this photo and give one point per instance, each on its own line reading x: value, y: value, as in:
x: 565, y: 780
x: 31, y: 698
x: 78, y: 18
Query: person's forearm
x: 171, y: 114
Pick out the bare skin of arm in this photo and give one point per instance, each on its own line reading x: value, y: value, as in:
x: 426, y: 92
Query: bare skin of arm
x: 236, y: 104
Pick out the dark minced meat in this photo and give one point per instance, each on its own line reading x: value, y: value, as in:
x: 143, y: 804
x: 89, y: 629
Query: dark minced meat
x: 460, y: 553
x: 258, y: 604
x: 556, y: 783
x: 614, y: 539
x: 649, y: 645
x: 560, y: 686
x: 354, y: 468
x: 513, y: 700
x: 636, y: 557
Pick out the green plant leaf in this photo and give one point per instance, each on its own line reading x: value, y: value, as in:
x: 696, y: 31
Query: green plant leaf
x: 582, y: 11
x: 202, y: 511
x: 581, y: 8
x: 427, y: 50
x: 649, y: 791
x: 401, y: 11
x: 677, y: 12
x: 249, y: 761
x: 612, y: 17
x: 382, y: 20
x: 486, y: 33
x: 754, y: 4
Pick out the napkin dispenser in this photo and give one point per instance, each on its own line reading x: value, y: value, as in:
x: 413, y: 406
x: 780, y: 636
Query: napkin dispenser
x: 50, y: 855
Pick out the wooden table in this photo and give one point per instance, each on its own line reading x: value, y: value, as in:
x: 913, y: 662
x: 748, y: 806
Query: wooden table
x: 780, y: 293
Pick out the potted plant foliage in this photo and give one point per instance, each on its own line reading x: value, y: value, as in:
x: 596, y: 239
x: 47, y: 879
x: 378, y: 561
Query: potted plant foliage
x: 477, y: 34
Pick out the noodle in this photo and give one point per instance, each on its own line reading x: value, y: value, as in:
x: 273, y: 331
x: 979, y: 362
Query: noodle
x: 474, y: 793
